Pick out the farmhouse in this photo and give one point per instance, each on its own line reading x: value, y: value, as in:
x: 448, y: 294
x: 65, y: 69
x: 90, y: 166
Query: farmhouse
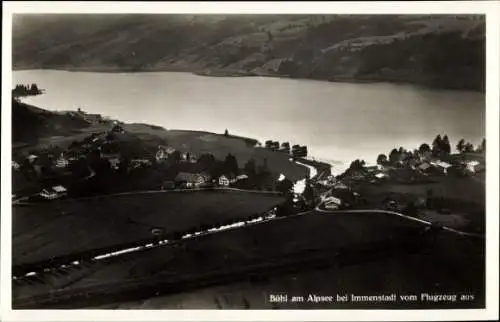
x: 332, y: 203
x: 53, y: 193
x: 62, y: 162
x: 472, y: 166
x: 15, y: 165
x: 241, y: 177
x: 380, y: 175
x: 340, y: 185
x: 31, y: 158
x: 137, y: 163
x: 114, y: 162
x: 190, y: 180
x: 225, y: 180
x: 441, y: 165
x: 163, y: 153
x: 424, y: 166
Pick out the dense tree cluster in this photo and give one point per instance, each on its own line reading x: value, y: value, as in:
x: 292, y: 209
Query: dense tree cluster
x: 26, y: 90
x: 441, y: 146
x: 357, y: 165
x: 466, y: 147
x: 297, y: 151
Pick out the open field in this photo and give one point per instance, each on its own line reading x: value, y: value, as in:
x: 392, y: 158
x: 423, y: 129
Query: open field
x: 467, y: 189
x: 463, y: 197
x: 220, y: 146
x: 70, y: 226
x: 314, y: 253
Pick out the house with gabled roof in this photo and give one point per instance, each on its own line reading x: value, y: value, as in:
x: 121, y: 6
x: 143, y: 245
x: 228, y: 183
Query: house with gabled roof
x: 191, y: 180
x: 53, y: 193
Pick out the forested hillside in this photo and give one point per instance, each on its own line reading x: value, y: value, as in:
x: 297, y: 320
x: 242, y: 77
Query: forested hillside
x: 433, y: 50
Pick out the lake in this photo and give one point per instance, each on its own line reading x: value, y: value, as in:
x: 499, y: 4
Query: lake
x: 338, y: 122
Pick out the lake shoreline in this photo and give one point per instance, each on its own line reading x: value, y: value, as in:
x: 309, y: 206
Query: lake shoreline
x: 226, y: 73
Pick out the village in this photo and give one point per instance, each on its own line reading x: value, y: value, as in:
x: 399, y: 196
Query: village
x: 115, y: 161
x: 427, y: 183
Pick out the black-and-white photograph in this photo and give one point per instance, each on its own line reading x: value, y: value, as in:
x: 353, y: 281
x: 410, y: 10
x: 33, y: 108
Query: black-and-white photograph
x: 248, y: 161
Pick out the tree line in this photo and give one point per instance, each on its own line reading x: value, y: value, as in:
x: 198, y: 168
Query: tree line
x: 440, y: 147
x: 297, y: 151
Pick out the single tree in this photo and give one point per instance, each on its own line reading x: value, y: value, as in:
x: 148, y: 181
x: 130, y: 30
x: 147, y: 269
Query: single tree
x: 445, y: 145
x: 226, y: 133
x: 381, y: 159
x: 424, y: 147
x: 483, y: 145
x: 437, y: 144
x: 460, y: 145
x: 394, y: 156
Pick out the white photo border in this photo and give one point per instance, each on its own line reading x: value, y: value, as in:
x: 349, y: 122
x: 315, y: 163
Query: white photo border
x: 490, y: 8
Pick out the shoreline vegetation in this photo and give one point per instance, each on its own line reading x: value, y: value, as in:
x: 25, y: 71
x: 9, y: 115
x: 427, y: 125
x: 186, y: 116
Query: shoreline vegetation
x: 22, y: 90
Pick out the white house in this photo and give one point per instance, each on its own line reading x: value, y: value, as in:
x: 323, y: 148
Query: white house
x: 472, y: 165
x: 424, y: 166
x: 15, y: 165
x: 223, y: 181
x: 191, y: 179
x: 333, y: 199
x: 137, y: 163
x: 442, y: 165
x: 332, y: 203
x: 169, y: 150
x: 113, y: 159
x: 340, y: 185
x: 160, y: 155
x: 32, y: 158
x: 62, y: 162
x: 115, y: 162
x: 241, y: 177
x: 53, y: 193
x: 380, y: 175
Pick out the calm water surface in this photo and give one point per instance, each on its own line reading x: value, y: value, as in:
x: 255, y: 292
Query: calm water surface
x: 338, y: 122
